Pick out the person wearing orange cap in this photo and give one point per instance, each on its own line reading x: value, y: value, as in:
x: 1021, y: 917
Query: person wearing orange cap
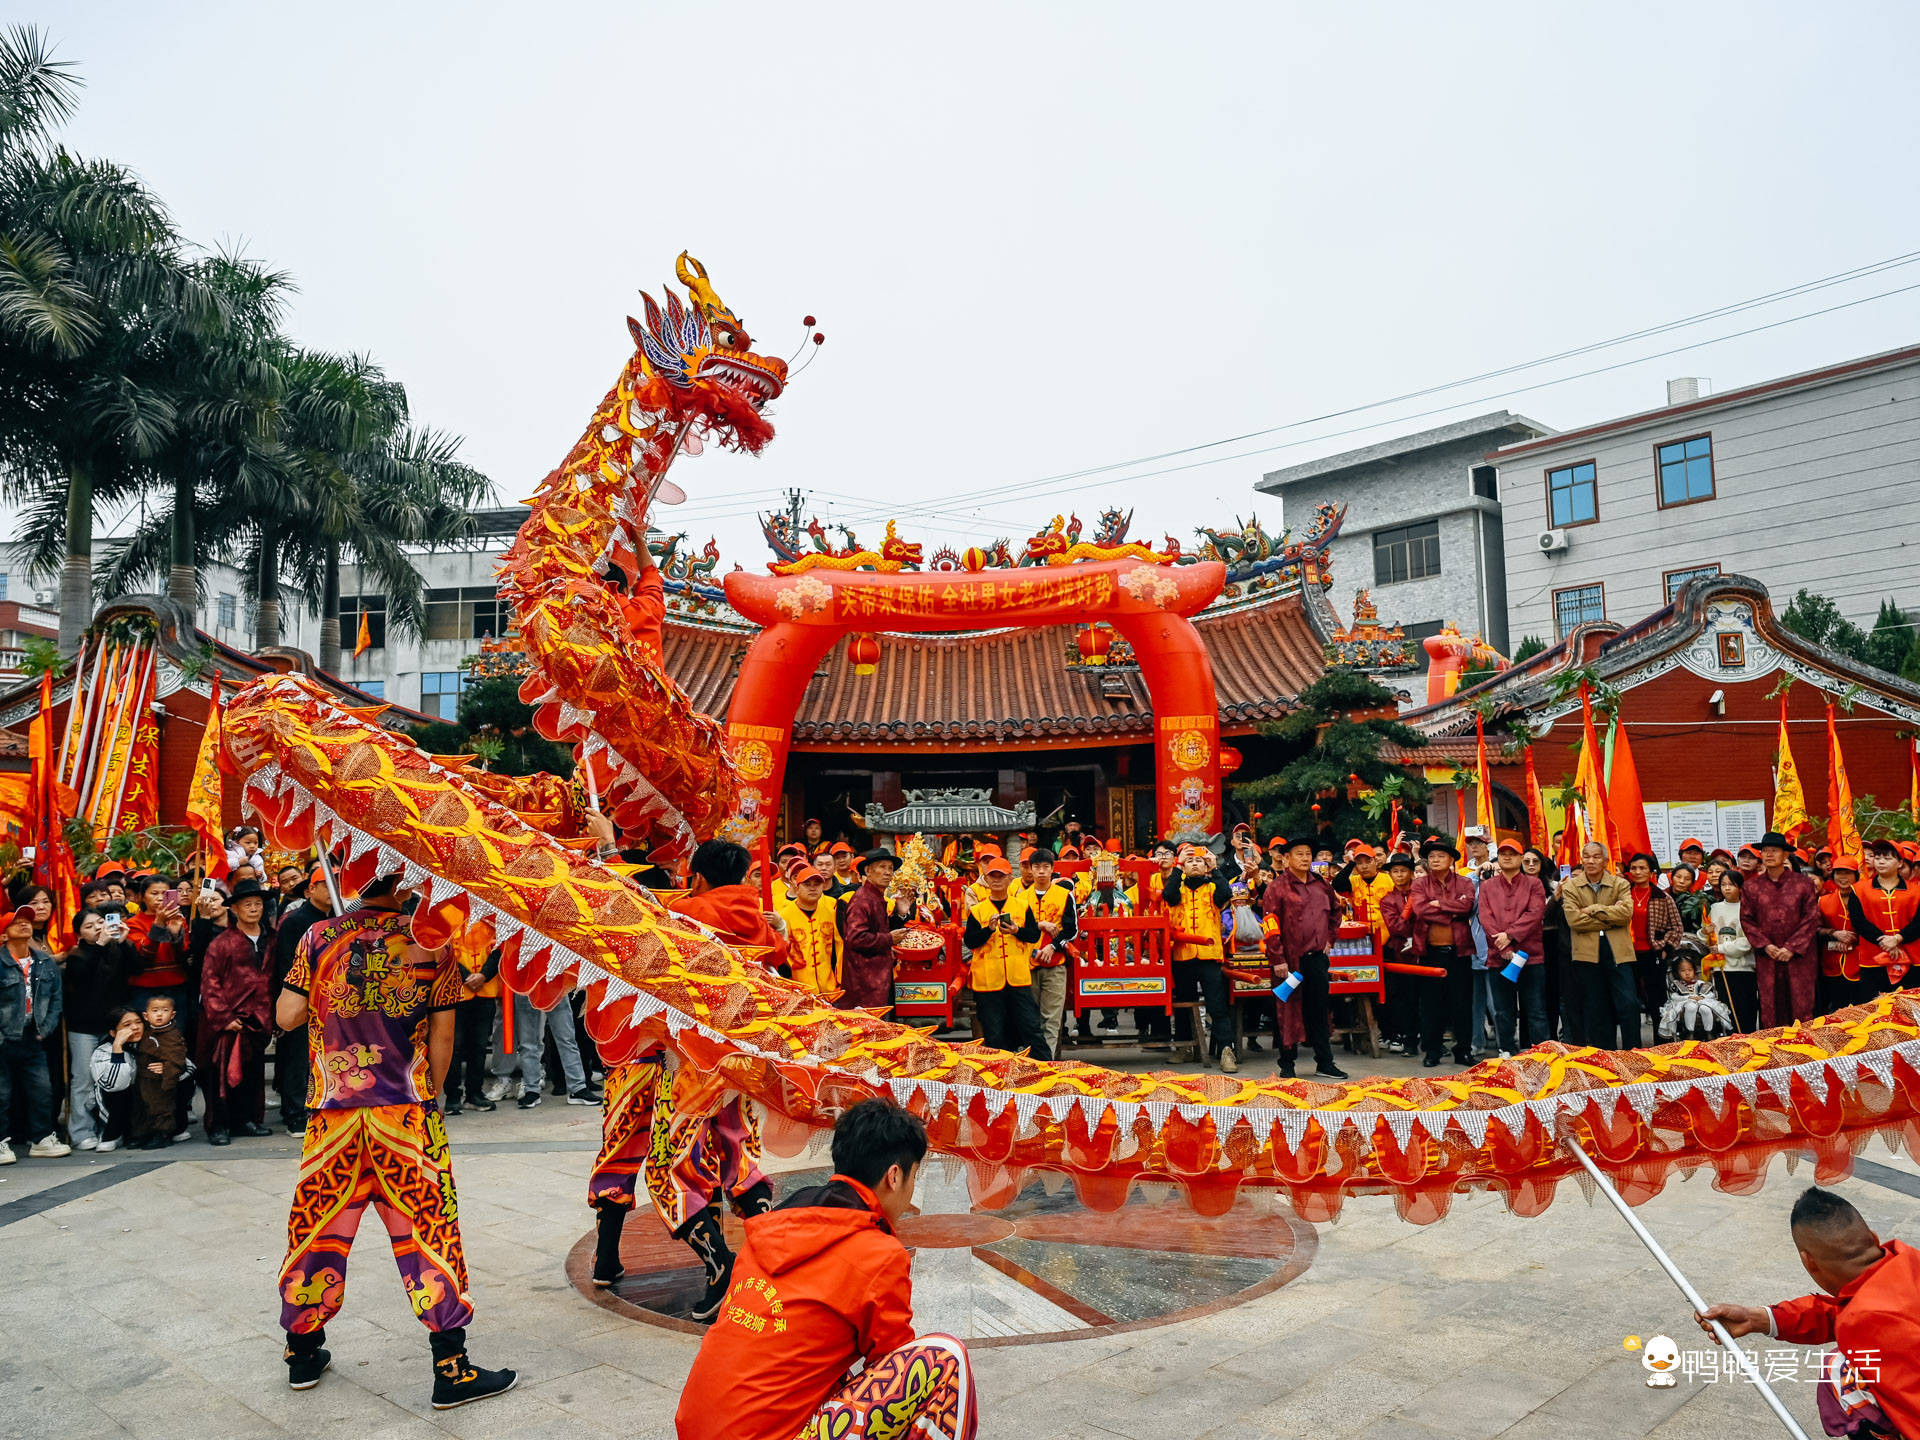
x: 1839, y: 983
x: 290, y: 1059
x: 842, y: 881
x: 1001, y: 934
x: 1363, y: 886
x: 813, y: 931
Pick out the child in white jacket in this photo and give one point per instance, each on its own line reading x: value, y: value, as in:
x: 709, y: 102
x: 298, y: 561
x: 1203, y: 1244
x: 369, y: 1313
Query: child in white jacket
x: 112, y: 1067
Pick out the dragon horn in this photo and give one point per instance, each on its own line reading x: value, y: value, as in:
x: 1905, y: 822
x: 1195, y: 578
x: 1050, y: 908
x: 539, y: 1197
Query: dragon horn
x: 693, y: 275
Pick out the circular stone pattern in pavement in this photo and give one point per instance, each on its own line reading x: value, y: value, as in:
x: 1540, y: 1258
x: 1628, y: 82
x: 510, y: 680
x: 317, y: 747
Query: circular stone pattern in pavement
x: 1042, y: 1268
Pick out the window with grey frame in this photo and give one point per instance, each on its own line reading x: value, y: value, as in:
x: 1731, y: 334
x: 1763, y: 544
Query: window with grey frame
x: 466, y: 612
x: 440, y: 692
x: 1575, y: 606
x: 1677, y: 578
x: 1406, y: 552
x: 374, y: 607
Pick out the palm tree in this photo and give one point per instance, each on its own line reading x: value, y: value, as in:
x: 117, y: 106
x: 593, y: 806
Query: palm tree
x: 343, y: 476
x: 94, y: 289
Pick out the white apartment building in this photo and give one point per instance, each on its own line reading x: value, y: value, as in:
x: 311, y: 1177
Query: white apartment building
x: 1810, y: 481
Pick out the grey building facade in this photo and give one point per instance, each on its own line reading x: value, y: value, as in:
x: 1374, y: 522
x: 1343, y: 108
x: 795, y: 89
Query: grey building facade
x: 1811, y: 480
x: 1424, y: 529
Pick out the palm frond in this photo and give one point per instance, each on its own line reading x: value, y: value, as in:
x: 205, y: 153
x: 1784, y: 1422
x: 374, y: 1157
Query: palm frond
x: 37, y: 92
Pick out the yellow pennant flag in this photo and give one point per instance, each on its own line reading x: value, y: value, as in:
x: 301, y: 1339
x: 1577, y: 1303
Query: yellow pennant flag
x: 1842, y: 834
x: 1591, y: 778
x: 363, y: 641
x: 1789, y: 800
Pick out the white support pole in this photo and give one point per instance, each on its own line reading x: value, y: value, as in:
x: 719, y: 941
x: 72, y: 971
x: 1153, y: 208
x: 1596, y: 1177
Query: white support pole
x: 1686, y: 1289
x: 326, y: 872
x: 75, y: 707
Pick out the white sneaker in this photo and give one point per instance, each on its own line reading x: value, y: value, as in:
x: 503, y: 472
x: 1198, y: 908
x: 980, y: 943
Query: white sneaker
x: 1229, y: 1062
x: 87, y: 1144
x: 184, y: 1136
x: 49, y: 1147
x: 106, y: 1145
x: 7, y: 1157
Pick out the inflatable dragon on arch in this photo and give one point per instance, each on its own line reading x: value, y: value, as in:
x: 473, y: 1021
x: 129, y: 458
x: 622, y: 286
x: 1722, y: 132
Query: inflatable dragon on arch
x: 320, y: 773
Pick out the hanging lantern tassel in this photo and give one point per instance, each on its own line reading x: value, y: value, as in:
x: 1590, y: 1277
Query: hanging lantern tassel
x: 1094, y: 641
x: 864, y: 651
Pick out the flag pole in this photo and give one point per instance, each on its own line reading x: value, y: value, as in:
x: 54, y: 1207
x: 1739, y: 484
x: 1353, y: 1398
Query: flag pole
x: 85, y: 754
x: 73, y: 706
x: 1693, y: 1296
x: 141, y: 702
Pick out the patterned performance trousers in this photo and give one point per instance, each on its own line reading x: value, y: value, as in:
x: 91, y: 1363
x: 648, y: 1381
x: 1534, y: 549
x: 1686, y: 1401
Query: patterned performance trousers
x: 923, y: 1389
x: 688, y: 1160
x: 626, y: 1132
x: 394, y: 1156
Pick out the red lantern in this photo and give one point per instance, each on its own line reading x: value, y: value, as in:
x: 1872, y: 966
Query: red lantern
x: 864, y: 651
x: 1094, y: 641
x: 1229, y: 759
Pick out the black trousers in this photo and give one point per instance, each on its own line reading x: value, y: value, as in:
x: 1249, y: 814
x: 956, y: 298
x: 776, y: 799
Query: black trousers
x: 472, y: 1033
x: 1651, y: 973
x: 1743, y: 998
x: 1206, y: 979
x: 244, y: 1101
x: 118, y: 1105
x: 1517, y: 1002
x: 290, y: 1076
x: 1010, y: 1021
x: 1447, y: 1004
x: 1609, y: 1001
x: 1401, y: 1020
x: 1316, y: 1008
x: 23, y: 1063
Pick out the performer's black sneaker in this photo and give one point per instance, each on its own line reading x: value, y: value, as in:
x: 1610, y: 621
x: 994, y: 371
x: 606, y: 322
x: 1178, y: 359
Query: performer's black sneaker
x: 456, y: 1379
x: 528, y: 1099
x: 1330, y: 1070
x: 480, y: 1103
x: 609, y: 1220
x: 306, y: 1359
x: 714, y: 1296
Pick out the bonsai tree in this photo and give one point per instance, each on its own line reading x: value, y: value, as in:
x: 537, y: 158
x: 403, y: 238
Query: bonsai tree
x: 1332, y: 742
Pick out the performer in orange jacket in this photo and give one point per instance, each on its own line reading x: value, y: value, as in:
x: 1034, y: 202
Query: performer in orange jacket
x: 820, y: 1284
x: 1871, y: 1311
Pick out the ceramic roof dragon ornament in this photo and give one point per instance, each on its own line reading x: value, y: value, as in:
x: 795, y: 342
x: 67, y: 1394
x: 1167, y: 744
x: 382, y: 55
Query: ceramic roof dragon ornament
x: 319, y: 773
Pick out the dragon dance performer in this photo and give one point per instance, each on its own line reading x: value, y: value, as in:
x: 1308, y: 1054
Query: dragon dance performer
x: 379, y: 1015
x: 822, y: 1289
x: 654, y: 1122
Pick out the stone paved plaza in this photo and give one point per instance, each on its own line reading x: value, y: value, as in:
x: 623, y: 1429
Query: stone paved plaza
x: 138, y: 1299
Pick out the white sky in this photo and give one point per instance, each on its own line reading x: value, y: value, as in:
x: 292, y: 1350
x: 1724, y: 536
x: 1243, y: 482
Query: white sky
x: 1038, y: 237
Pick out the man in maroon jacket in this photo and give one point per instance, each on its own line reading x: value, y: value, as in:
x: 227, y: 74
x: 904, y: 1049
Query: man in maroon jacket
x: 1780, y: 913
x: 1513, y: 910
x: 236, y: 1010
x: 872, y: 930
x: 1305, y: 912
x: 1442, y: 906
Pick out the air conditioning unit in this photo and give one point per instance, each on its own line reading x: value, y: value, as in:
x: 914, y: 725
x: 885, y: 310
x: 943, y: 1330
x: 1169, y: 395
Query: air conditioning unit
x: 46, y: 597
x: 1552, y: 542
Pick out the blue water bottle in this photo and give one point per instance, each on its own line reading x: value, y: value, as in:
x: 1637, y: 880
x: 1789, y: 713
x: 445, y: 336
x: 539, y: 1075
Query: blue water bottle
x: 1284, y: 990
x: 1515, y: 966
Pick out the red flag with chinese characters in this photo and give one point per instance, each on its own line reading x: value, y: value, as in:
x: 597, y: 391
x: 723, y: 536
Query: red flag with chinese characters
x: 139, y: 805
x: 1842, y: 834
x: 204, y: 812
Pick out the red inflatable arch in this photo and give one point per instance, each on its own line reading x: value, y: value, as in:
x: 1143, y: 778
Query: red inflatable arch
x: 804, y: 615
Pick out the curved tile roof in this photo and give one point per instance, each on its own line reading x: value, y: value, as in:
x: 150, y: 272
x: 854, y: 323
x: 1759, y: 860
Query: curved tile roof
x: 1008, y: 686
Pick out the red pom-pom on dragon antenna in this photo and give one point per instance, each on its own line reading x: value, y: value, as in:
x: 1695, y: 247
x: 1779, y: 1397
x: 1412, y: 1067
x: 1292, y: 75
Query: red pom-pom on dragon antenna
x: 818, y: 338
x: 808, y: 321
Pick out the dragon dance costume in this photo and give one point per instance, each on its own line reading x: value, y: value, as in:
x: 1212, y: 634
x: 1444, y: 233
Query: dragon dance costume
x: 374, y: 1132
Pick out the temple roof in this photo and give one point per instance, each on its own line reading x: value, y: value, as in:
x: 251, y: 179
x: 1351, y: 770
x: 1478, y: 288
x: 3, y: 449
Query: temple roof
x: 1014, y: 687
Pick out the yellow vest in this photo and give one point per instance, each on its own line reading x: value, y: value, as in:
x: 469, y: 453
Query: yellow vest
x: 1003, y: 960
x: 1197, y: 914
x: 1367, y: 895
x: 813, y: 944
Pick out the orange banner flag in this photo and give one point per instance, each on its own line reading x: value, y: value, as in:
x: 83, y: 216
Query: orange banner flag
x: 1591, y: 778
x: 363, y: 641
x: 204, y: 812
x: 53, y: 803
x: 1789, y: 800
x: 139, y: 804
x: 1624, y: 806
x: 1482, y: 787
x: 1538, y: 831
x: 1842, y: 834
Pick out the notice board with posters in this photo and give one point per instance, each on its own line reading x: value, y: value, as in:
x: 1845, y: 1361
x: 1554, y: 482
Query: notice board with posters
x: 1722, y: 824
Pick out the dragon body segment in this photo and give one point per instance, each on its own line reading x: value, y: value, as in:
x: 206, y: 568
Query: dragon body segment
x: 483, y: 854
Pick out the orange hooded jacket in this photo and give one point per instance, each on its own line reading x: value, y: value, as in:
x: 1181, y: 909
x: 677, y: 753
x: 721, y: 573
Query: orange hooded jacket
x: 734, y: 913
x: 819, y: 1282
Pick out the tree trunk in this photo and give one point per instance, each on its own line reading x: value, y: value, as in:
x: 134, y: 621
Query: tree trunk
x: 330, y: 611
x: 183, y: 580
x: 76, y: 575
x: 266, y: 614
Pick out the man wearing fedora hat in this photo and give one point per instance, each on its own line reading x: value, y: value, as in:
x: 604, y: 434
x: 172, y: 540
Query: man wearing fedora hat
x: 236, y: 1000
x: 1780, y: 913
x: 1442, y: 907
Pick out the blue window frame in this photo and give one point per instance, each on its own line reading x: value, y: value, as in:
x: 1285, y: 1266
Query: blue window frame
x: 440, y: 692
x: 1575, y: 606
x: 1571, y: 495
x: 1686, y: 470
x: 375, y: 688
